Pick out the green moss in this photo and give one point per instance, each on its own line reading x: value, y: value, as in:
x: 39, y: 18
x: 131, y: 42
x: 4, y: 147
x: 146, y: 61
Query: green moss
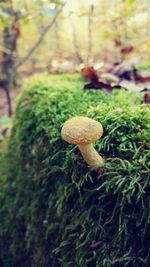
x: 53, y: 206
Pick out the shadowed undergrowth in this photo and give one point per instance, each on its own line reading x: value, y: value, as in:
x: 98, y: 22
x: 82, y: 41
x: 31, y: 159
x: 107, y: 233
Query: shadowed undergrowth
x: 56, y: 212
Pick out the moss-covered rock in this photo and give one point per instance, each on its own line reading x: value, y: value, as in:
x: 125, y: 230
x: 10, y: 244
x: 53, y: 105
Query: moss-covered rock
x: 55, y: 211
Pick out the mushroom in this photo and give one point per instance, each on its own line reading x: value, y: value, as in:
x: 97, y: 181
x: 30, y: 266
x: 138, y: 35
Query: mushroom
x: 83, y: 131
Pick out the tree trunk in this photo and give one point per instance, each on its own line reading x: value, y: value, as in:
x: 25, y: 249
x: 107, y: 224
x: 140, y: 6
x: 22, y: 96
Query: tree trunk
x: 10, y: 37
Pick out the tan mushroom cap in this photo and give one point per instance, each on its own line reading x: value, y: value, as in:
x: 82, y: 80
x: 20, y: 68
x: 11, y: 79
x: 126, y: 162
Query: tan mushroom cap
x: 81, y: 130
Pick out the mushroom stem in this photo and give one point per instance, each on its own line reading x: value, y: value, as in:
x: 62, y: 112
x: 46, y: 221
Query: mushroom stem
x: 91, y: 156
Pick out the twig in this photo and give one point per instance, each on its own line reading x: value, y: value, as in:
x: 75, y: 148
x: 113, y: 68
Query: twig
x: 35, y: 46
x: 9, y: 102
x: 89, y: 52
x: 75, y: 42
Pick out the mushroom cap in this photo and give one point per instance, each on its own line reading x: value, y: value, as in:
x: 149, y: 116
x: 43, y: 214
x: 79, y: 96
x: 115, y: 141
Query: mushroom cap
x: 81, y: 130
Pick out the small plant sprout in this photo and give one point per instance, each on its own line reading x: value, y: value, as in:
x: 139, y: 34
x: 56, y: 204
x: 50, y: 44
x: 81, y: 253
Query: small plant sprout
x: 83, y: 131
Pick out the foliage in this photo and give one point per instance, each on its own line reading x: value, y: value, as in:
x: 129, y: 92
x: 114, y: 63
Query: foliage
x: 123, y: 20
x: 55, y: 211
x: 5, y: 123
x: 144, y: 67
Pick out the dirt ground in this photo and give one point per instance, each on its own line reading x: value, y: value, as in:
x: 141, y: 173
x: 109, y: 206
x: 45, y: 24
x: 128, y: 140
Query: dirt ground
x: 3, y: 100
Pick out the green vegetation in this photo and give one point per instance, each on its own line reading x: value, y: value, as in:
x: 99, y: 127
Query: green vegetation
x: 144, y: 67
x: 53, y: 207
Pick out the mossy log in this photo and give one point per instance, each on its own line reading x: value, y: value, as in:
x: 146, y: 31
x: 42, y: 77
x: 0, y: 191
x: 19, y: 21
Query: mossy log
x: 57, y: 212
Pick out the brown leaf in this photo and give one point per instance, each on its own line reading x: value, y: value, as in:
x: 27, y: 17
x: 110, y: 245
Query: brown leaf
x: 147, y: 98
x: 89, y: 73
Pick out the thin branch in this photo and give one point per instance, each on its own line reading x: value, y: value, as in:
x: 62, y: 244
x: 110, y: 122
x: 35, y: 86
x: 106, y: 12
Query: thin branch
x: 9, y: 102
x: 38, y: 42
x: 90, y: 44
x: 75, y: 42
x: 57, y: 37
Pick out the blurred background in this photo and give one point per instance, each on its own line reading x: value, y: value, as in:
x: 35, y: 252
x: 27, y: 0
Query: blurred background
x: 62, y: 36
